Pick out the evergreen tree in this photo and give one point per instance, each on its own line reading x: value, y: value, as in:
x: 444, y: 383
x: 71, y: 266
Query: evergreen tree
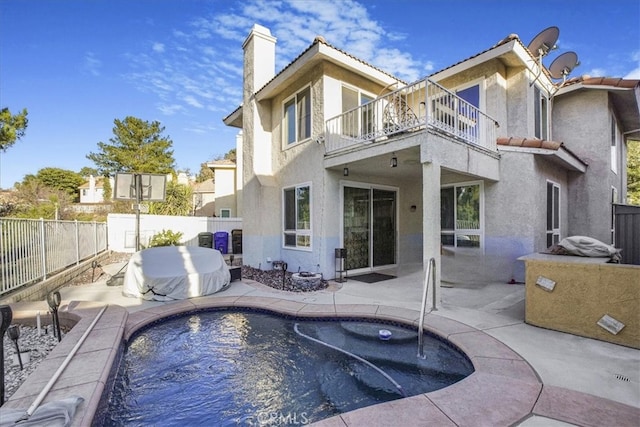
x: 138, y: 146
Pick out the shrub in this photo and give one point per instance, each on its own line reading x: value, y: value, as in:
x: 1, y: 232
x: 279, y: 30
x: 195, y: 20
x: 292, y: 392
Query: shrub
x: 165, y: 238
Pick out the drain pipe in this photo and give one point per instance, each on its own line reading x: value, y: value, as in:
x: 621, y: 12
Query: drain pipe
x: 62, y: 367
x: 355, y: 356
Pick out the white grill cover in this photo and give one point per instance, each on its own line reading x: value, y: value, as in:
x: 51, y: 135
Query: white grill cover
x: 167, y: 273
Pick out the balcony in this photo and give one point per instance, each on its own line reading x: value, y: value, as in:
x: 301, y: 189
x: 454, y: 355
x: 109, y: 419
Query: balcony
x: 418, y: 107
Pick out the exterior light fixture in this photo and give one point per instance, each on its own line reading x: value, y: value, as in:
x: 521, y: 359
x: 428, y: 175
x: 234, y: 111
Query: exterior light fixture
x: 394, y: 161
x: 345, y: 171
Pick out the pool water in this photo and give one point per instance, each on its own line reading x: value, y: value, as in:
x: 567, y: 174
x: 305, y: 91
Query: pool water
x: 252, y: 368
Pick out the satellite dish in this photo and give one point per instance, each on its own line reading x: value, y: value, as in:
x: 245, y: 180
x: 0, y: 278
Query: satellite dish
x: 563, y: 65
x: 544, y: 41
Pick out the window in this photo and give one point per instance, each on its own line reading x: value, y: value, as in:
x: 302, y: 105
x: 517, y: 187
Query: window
x: 225, y: 213
x: 615, y: 143
x: 614, y: 200
x: 460, y: 215
x: 297, y: 117
x: 553, y: 213
x: 541, y: 114
x: 357, y: 124
x: 297, y: 217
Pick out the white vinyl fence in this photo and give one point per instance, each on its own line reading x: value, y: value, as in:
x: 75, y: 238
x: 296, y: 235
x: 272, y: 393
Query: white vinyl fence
x: 122, y: 229
x: 32, y: 250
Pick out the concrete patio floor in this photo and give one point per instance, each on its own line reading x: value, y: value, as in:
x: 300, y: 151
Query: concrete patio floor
x: 577, y: 375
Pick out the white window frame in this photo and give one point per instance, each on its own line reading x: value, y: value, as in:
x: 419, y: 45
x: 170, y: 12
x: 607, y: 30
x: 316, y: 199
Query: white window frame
x: 371, y: 119
x: 553, y: 231
x: 614, y: 200
x: 616, y: 140
x: 540, y: 113
x: 225, y: 210
x: 297, y: 233
x: 285, y: 119
x: 460, y: 231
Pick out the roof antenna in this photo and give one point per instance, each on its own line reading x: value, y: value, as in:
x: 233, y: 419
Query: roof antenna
x: 561, y: 67
x: 541, y: 45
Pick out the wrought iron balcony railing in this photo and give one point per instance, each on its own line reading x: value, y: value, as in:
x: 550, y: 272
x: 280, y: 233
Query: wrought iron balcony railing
x: 423, y: 105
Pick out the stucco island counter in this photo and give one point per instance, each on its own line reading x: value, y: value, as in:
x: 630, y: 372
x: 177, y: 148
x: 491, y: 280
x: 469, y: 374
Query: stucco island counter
x: 583, y: 296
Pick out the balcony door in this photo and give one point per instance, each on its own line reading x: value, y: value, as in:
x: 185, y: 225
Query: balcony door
x: 369, y: 227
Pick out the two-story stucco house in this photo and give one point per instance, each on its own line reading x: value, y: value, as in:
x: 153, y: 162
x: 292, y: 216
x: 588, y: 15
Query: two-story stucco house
x: 92, y: 191
x: 484, y: 161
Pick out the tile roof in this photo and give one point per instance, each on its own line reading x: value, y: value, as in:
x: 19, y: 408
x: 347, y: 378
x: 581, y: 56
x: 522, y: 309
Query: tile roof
x: 603, y: 81
x: 538, y: 143
x: 321, y: 40
x: 529, y: 143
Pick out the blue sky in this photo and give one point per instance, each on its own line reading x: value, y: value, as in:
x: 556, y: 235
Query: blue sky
x: 78, y: 65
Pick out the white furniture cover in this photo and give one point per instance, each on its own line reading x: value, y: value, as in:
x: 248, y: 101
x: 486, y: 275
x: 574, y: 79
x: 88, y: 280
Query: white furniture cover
x: 167, y: 273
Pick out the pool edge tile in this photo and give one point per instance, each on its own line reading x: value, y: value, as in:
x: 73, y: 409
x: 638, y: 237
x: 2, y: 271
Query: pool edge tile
x: 584, y: 409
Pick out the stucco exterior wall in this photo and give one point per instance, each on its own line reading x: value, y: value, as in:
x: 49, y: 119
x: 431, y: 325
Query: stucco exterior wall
x: 585, y: 290
x: 519, y: 94
x: 582, y: 120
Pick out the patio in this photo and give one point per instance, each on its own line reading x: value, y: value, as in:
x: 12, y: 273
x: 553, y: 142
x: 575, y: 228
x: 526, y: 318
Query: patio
x: 524, y: 376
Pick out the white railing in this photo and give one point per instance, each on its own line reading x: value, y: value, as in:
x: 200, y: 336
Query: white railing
x: 32, y: 250
x: 418, y: 106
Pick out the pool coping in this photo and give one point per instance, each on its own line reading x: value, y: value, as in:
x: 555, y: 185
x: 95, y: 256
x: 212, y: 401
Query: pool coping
x: 504, y: 389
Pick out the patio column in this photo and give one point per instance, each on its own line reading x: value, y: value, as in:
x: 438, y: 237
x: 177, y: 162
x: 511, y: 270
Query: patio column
x: 431, y: 223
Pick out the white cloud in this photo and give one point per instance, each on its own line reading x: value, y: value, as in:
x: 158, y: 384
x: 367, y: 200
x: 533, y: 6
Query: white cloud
x: 169, y: 110
x: 634, y: 74
x: 191, y: 100
x: 201, y: 63
x: 91, y: 64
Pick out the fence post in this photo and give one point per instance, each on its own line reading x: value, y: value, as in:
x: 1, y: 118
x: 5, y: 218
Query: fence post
x: 44, y: 249
x: 95, y: 238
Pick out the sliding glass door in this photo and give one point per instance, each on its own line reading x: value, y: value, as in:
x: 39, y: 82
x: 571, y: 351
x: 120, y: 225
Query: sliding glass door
x: 369, y: 227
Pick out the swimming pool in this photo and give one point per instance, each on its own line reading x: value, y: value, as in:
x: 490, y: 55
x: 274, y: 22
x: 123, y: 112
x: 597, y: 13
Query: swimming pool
x: 240, y: 367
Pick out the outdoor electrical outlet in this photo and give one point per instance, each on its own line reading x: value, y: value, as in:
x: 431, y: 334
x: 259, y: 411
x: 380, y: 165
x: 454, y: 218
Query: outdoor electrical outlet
x: 610, y: 324
x: 268, y: 259
x: 546, y: 284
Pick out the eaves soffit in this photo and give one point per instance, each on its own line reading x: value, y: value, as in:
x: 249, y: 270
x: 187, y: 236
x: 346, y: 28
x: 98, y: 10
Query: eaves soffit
x: 624, y: 94
x: 510, y: 51
x: 319, y: 52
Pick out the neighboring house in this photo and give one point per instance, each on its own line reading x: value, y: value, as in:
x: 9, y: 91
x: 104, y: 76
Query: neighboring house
x: 92, y: 191
x: 488, y: 159
x: 204, y: 198
x: 228, y: 188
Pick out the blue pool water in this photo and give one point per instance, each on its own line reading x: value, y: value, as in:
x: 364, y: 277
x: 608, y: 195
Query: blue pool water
x: 228, y: 368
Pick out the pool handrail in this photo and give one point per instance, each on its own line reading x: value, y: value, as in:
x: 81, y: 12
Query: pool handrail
x: 430, y: 273
x: 355, y: 356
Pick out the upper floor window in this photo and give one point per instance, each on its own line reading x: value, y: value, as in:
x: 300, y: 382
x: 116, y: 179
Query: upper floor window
x: 616, y: 138
x: 297, y: 216
x: 357, y: 123
x: 541, y: 112
x: 297, y: 117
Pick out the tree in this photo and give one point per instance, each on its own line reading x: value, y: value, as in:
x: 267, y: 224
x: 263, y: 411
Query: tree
x: 137, y: 147
x: 59, y: 179
x: 12, y: 127
x: 205, y: 173
x: 107, y: 191
x: 86, y: 171
x: 231, y: 155
x: 178, y: 200
x: 633, y: 172
x: 37, y: 200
